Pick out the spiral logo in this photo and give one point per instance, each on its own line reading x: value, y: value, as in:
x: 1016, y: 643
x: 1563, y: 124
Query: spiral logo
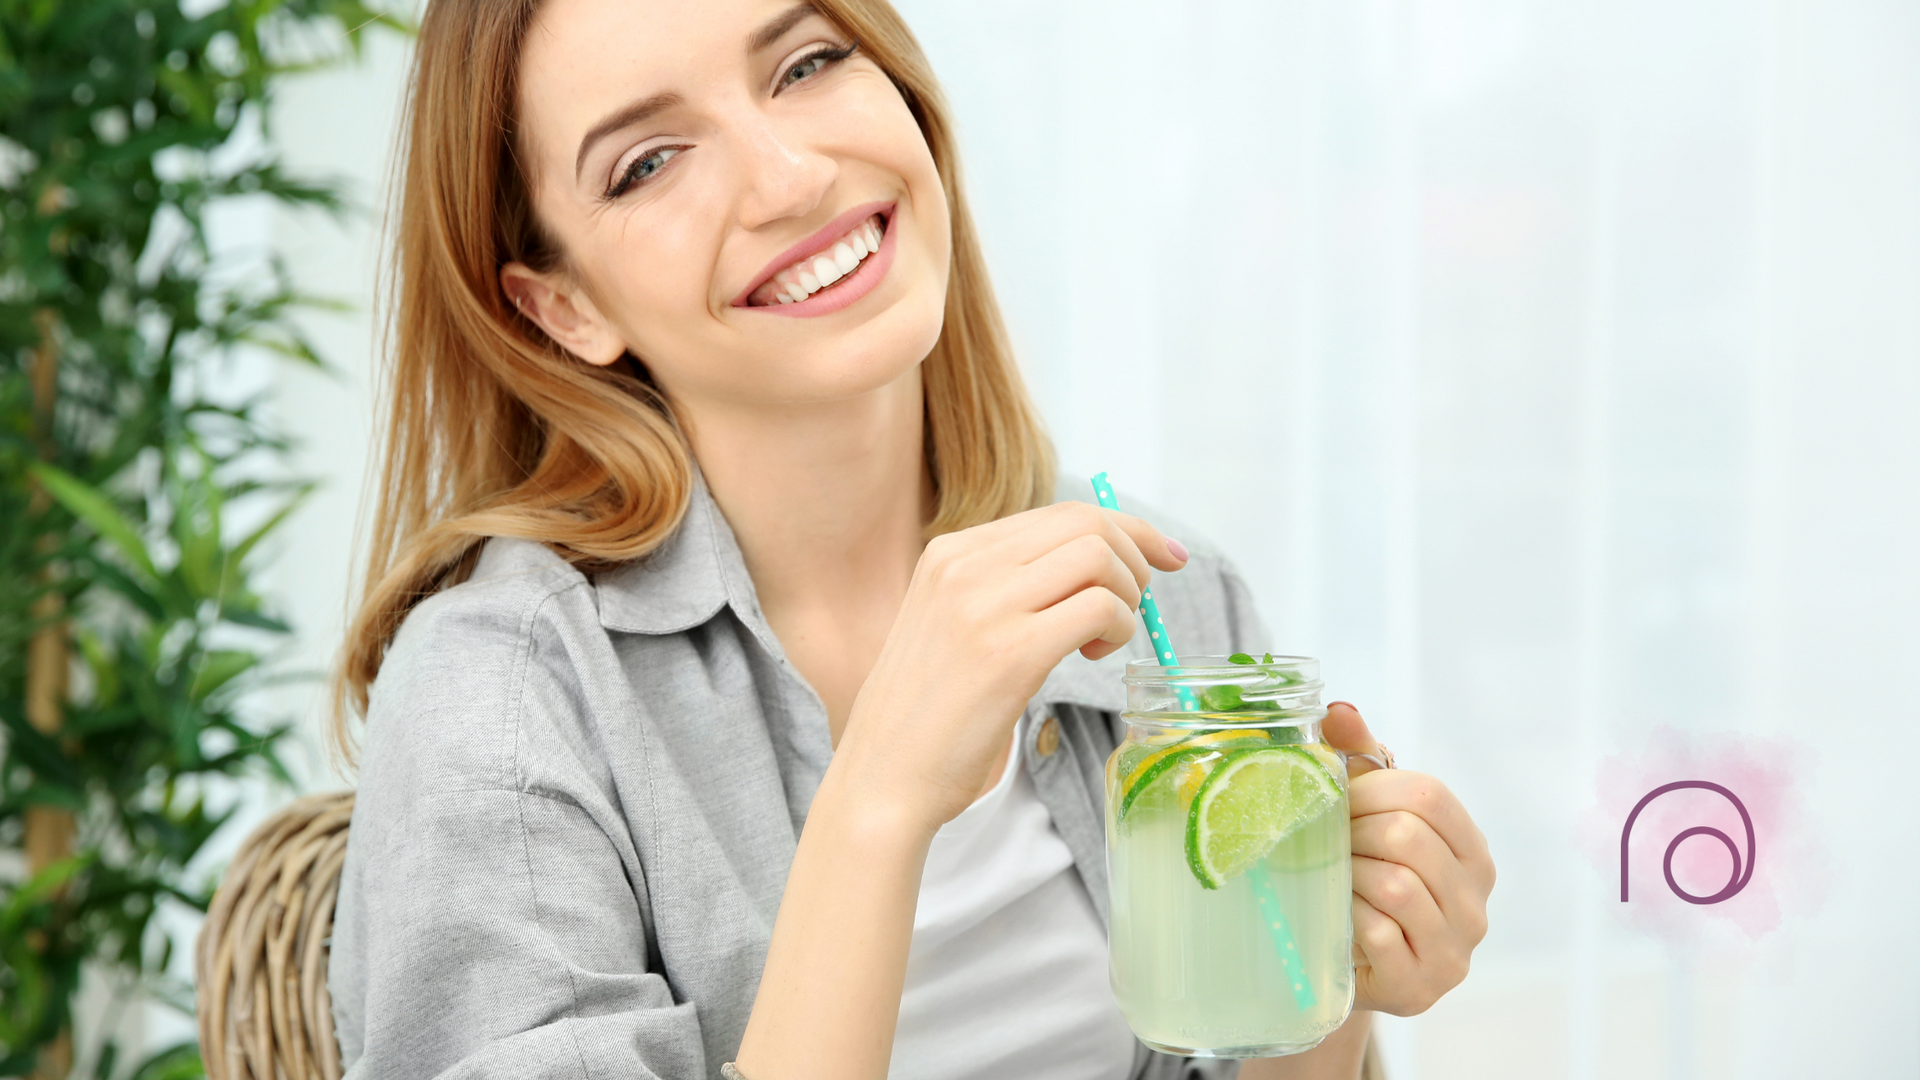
x: 1742, y: 868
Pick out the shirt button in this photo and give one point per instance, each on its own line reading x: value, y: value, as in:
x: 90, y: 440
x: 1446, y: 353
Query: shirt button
x: 1048, y: 740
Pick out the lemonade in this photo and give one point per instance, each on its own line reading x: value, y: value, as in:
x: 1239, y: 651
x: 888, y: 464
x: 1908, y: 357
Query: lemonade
x: 1228, y: 854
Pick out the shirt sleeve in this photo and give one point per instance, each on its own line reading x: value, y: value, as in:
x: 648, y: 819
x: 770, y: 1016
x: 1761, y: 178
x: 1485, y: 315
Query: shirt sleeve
x: 492, y: 920
x: 498, y: 937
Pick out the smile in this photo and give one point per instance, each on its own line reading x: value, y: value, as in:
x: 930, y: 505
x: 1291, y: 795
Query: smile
x: 811, y: 274
x: 829, y: 270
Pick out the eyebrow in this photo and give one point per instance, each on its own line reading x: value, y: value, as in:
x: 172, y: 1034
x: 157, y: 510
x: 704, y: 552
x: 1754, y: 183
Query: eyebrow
x: 637, y: 112
x: 778, y: 26
x: 626, y: 117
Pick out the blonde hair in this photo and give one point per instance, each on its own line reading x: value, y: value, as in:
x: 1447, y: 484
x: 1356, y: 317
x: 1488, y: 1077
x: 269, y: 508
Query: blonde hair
x: 490, y: 429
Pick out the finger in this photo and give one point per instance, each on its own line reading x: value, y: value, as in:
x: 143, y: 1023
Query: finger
x: 1063, y: 524
x: 1383, y: 948
x: 1397, y: 892
x: 1138, y: 543
x: 1093, y: 620
x: 1345, y: 731
x: 1159, y: 548
x: 1405, y: 840
x: 1084, y: 561
x: 1388, y: 790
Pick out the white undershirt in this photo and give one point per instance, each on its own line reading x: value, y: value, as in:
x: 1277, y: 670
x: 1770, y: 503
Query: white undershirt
x: 1007, y: 975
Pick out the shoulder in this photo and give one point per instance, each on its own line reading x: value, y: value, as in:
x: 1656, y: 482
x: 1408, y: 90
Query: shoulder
x: 467, y: 662
x: 511, y: 585
x: 1206, y: 604
x: 518, y: 590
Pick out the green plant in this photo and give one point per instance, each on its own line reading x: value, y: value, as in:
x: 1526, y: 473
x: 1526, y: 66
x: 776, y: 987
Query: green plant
x: 123, y: 470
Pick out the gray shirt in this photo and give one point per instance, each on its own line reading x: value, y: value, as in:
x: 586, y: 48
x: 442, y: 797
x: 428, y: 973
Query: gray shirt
x: 579, y: 797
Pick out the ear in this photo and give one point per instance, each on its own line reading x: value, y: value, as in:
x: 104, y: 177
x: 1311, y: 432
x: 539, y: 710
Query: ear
x: 565, y: 311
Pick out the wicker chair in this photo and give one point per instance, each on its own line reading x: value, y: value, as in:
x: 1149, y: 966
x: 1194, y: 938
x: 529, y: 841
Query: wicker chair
x: 261, y: 961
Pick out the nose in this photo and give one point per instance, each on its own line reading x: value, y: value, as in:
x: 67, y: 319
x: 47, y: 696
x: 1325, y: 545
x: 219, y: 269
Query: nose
x: 784, y: 177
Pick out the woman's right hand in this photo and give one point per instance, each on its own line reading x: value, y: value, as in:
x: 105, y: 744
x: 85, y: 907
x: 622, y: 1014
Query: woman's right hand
x: 989, y: 612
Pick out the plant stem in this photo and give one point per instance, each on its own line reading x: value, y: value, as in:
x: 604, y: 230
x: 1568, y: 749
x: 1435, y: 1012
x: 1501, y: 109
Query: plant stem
x: 49, y: 831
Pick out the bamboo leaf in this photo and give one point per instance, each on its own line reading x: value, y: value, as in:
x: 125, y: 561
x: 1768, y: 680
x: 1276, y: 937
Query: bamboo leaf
x: 40, y: 887
x: 135, y: 593
x: 97, y: 511
x: 218, y: 668
x: 59, y: 796
x: 109, y: 234
x: 256, y: 619
x: 106, y: 680
x: 247, y: 543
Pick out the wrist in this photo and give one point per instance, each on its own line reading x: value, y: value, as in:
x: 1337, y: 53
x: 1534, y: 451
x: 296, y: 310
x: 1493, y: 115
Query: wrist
x: 875, y: 816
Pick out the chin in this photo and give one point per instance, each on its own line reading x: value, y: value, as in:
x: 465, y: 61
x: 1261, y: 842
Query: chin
x: 819, y: 379
x: 865, y: 358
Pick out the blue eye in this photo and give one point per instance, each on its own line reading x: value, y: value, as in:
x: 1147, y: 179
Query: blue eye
x: 814, y: 63
x: 643, y: 169
x: 803, y: 69
x: 652, y: 163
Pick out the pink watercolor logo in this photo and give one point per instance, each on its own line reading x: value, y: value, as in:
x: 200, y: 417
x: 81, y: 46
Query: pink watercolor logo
x: 1702, y: 835
x: 1737, y: 881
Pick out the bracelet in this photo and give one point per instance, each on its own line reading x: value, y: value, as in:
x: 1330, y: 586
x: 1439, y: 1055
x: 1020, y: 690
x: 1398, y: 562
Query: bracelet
x: 728, y: 1072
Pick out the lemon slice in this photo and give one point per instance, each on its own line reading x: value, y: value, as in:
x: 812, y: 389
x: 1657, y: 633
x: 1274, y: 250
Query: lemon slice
x: 1142, y: 772
x: 1251, y: 800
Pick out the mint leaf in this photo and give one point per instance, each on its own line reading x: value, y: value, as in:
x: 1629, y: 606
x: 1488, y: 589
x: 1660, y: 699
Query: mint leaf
x: 1239, y: 658
x: 1221, y: 699
x: 1268, y: 660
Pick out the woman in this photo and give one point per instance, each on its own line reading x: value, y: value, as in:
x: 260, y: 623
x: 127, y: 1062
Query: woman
x: 657, y: 754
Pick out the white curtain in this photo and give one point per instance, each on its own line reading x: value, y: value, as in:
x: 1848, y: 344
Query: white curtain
x: 1552, y: 371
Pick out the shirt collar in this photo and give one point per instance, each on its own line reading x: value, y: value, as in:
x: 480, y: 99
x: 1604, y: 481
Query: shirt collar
x: 685, y: 581
x: 699, y: 570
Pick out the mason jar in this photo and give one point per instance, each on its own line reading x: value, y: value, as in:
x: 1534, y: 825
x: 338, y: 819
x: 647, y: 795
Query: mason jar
x: 1229, y: 859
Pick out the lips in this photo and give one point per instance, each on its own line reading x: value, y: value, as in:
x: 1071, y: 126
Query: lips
x: 840, y: 262
x: 811, y: 273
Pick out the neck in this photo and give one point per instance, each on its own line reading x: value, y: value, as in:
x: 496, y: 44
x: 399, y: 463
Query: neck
x: 828, y: 503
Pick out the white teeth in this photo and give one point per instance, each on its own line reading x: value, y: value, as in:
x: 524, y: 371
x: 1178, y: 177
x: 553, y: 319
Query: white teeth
x: 809, y: 276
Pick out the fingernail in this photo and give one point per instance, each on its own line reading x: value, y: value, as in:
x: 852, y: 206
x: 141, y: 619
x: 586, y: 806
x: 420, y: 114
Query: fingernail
x: 1178, y: 549
x: 1348, y: 704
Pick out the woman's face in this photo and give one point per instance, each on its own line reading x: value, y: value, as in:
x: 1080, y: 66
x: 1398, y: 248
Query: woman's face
x: 718, y: 175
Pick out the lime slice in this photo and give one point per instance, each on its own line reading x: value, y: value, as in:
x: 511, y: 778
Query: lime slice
x: 1141, y: 771
x: 1252, y: 800
x: 1169, y: 785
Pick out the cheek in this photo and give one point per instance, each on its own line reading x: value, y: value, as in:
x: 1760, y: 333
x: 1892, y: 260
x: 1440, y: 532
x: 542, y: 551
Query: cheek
x: 646, y: 276
x: 883, y: 132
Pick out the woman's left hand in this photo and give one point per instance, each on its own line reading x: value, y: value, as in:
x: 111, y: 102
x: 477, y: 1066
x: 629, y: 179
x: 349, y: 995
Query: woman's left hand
x: 1421, y: 877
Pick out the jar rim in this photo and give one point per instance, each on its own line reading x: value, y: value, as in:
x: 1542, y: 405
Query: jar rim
x: 1186, y: 721
x: 1285, y: 689
x: 1200, y: 672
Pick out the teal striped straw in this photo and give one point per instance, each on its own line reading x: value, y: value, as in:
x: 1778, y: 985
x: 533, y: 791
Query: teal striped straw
x: 1263, y: 891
